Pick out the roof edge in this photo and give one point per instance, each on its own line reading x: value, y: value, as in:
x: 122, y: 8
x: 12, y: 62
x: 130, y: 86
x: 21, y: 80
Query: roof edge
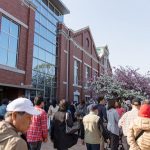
x: 60, y: 6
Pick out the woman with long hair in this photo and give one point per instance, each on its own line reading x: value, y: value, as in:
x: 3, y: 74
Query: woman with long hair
x: 112, y: 125
x: 62, y: 140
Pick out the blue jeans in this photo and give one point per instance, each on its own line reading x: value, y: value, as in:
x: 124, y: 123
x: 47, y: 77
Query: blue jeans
x: 93, y: 146
x: 35, y: 145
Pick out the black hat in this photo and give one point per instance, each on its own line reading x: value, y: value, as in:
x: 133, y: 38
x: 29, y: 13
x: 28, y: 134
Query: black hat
x: 136, y: 102
x: 93, y: 107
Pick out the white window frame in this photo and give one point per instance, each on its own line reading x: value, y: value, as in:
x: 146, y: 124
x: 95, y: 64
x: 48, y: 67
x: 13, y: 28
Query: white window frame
x: 87, y: 74
x: 76, y: 72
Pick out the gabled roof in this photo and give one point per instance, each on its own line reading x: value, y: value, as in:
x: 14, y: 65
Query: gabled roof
x: 87, y: 28
x: 103, y: 50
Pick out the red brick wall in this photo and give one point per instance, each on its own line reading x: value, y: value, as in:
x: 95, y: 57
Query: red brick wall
x: 16, y: 8
x: 24, y: 14
x: 73, y: 50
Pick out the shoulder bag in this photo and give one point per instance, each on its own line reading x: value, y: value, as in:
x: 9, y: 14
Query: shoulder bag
x: 74, y: 128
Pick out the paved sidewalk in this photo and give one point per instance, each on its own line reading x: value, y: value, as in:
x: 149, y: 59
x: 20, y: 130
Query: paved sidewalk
x: 49, y: 146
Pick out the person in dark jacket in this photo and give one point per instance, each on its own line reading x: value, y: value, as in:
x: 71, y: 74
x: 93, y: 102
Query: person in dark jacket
x: 102, y: 113
x: 61, y: 140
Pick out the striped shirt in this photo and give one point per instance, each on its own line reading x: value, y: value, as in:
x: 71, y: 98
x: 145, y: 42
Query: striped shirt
x: 38, y: 128
x: 127, y: 119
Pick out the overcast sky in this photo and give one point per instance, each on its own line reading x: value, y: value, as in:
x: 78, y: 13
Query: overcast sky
x: 124, y: 25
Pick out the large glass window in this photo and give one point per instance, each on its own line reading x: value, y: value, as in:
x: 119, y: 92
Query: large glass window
x: 9, y: 37
x: 95, y: 74
x: 87, y: 72
x: 87, y: 75
x: 76, y: 72
x: 44, y: 51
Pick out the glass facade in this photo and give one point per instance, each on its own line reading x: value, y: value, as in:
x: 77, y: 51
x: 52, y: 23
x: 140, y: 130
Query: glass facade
x: 9, y: 37
x: 44, y: 51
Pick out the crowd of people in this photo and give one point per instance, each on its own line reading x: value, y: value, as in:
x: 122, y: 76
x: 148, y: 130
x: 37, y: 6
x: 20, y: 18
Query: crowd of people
x: 101, y: 124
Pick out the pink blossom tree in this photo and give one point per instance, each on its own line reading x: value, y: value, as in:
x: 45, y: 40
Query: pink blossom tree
x: 132, y: 80
x: 124, y: 83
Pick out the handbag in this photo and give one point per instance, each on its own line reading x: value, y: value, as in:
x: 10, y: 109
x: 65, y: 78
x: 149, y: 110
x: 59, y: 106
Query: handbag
x: 74, y: 128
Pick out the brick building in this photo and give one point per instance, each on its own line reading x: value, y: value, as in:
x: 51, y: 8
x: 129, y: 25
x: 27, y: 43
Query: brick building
x: 28, y: 30
x: 16, y: 44
x: 78, y: 61
x: 39, y: 55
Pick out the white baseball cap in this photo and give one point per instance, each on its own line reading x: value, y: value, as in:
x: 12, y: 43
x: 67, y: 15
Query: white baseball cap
x: 22, y: 105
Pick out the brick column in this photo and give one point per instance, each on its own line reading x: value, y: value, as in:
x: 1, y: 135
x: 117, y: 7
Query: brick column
x: 30, y: 40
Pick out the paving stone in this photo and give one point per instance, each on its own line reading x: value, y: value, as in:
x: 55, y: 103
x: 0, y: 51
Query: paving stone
x: 49, y: 146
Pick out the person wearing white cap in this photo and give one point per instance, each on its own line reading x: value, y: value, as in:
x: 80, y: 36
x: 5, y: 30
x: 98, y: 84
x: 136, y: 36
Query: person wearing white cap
x: 17, y: 119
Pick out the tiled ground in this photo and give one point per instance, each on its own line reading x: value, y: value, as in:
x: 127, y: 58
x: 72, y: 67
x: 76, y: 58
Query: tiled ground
x: 78, y: 146
x: 49, y: 146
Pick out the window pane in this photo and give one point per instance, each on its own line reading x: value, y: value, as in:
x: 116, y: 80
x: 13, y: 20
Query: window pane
x: 49, y: 47
x: 41, y: 77
x: 36, y: 52
x: 43, y: 31
x: 9, y: 42
x: 37, y: 27
x: 42, y: 43
x: 53, y: 29
x: 11, y: 59
x: 41, y: 54
x: 55, y: 22
x: 14, y: 29
x: 36, y: 39
x: 5, y: 24
x: 4, y: 40
x: 52, y: 71
x: 44, y: 11
x: 37, y: 16
x: 34, y: 78
x: 41, y: 66
x: 54, y: 49
x: 3, y: 56
x: 43, y: 21
x: 53, y: 94
x: 13, y: 44
x: 48, y: 57
x: 48, y: 80
x: 53, y: 61
x: 47, y: 91
x: 35, y: 64
x: 49, y: 35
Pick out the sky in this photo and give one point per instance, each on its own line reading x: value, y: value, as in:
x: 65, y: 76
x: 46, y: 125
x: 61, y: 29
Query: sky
x: 123, y: 25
